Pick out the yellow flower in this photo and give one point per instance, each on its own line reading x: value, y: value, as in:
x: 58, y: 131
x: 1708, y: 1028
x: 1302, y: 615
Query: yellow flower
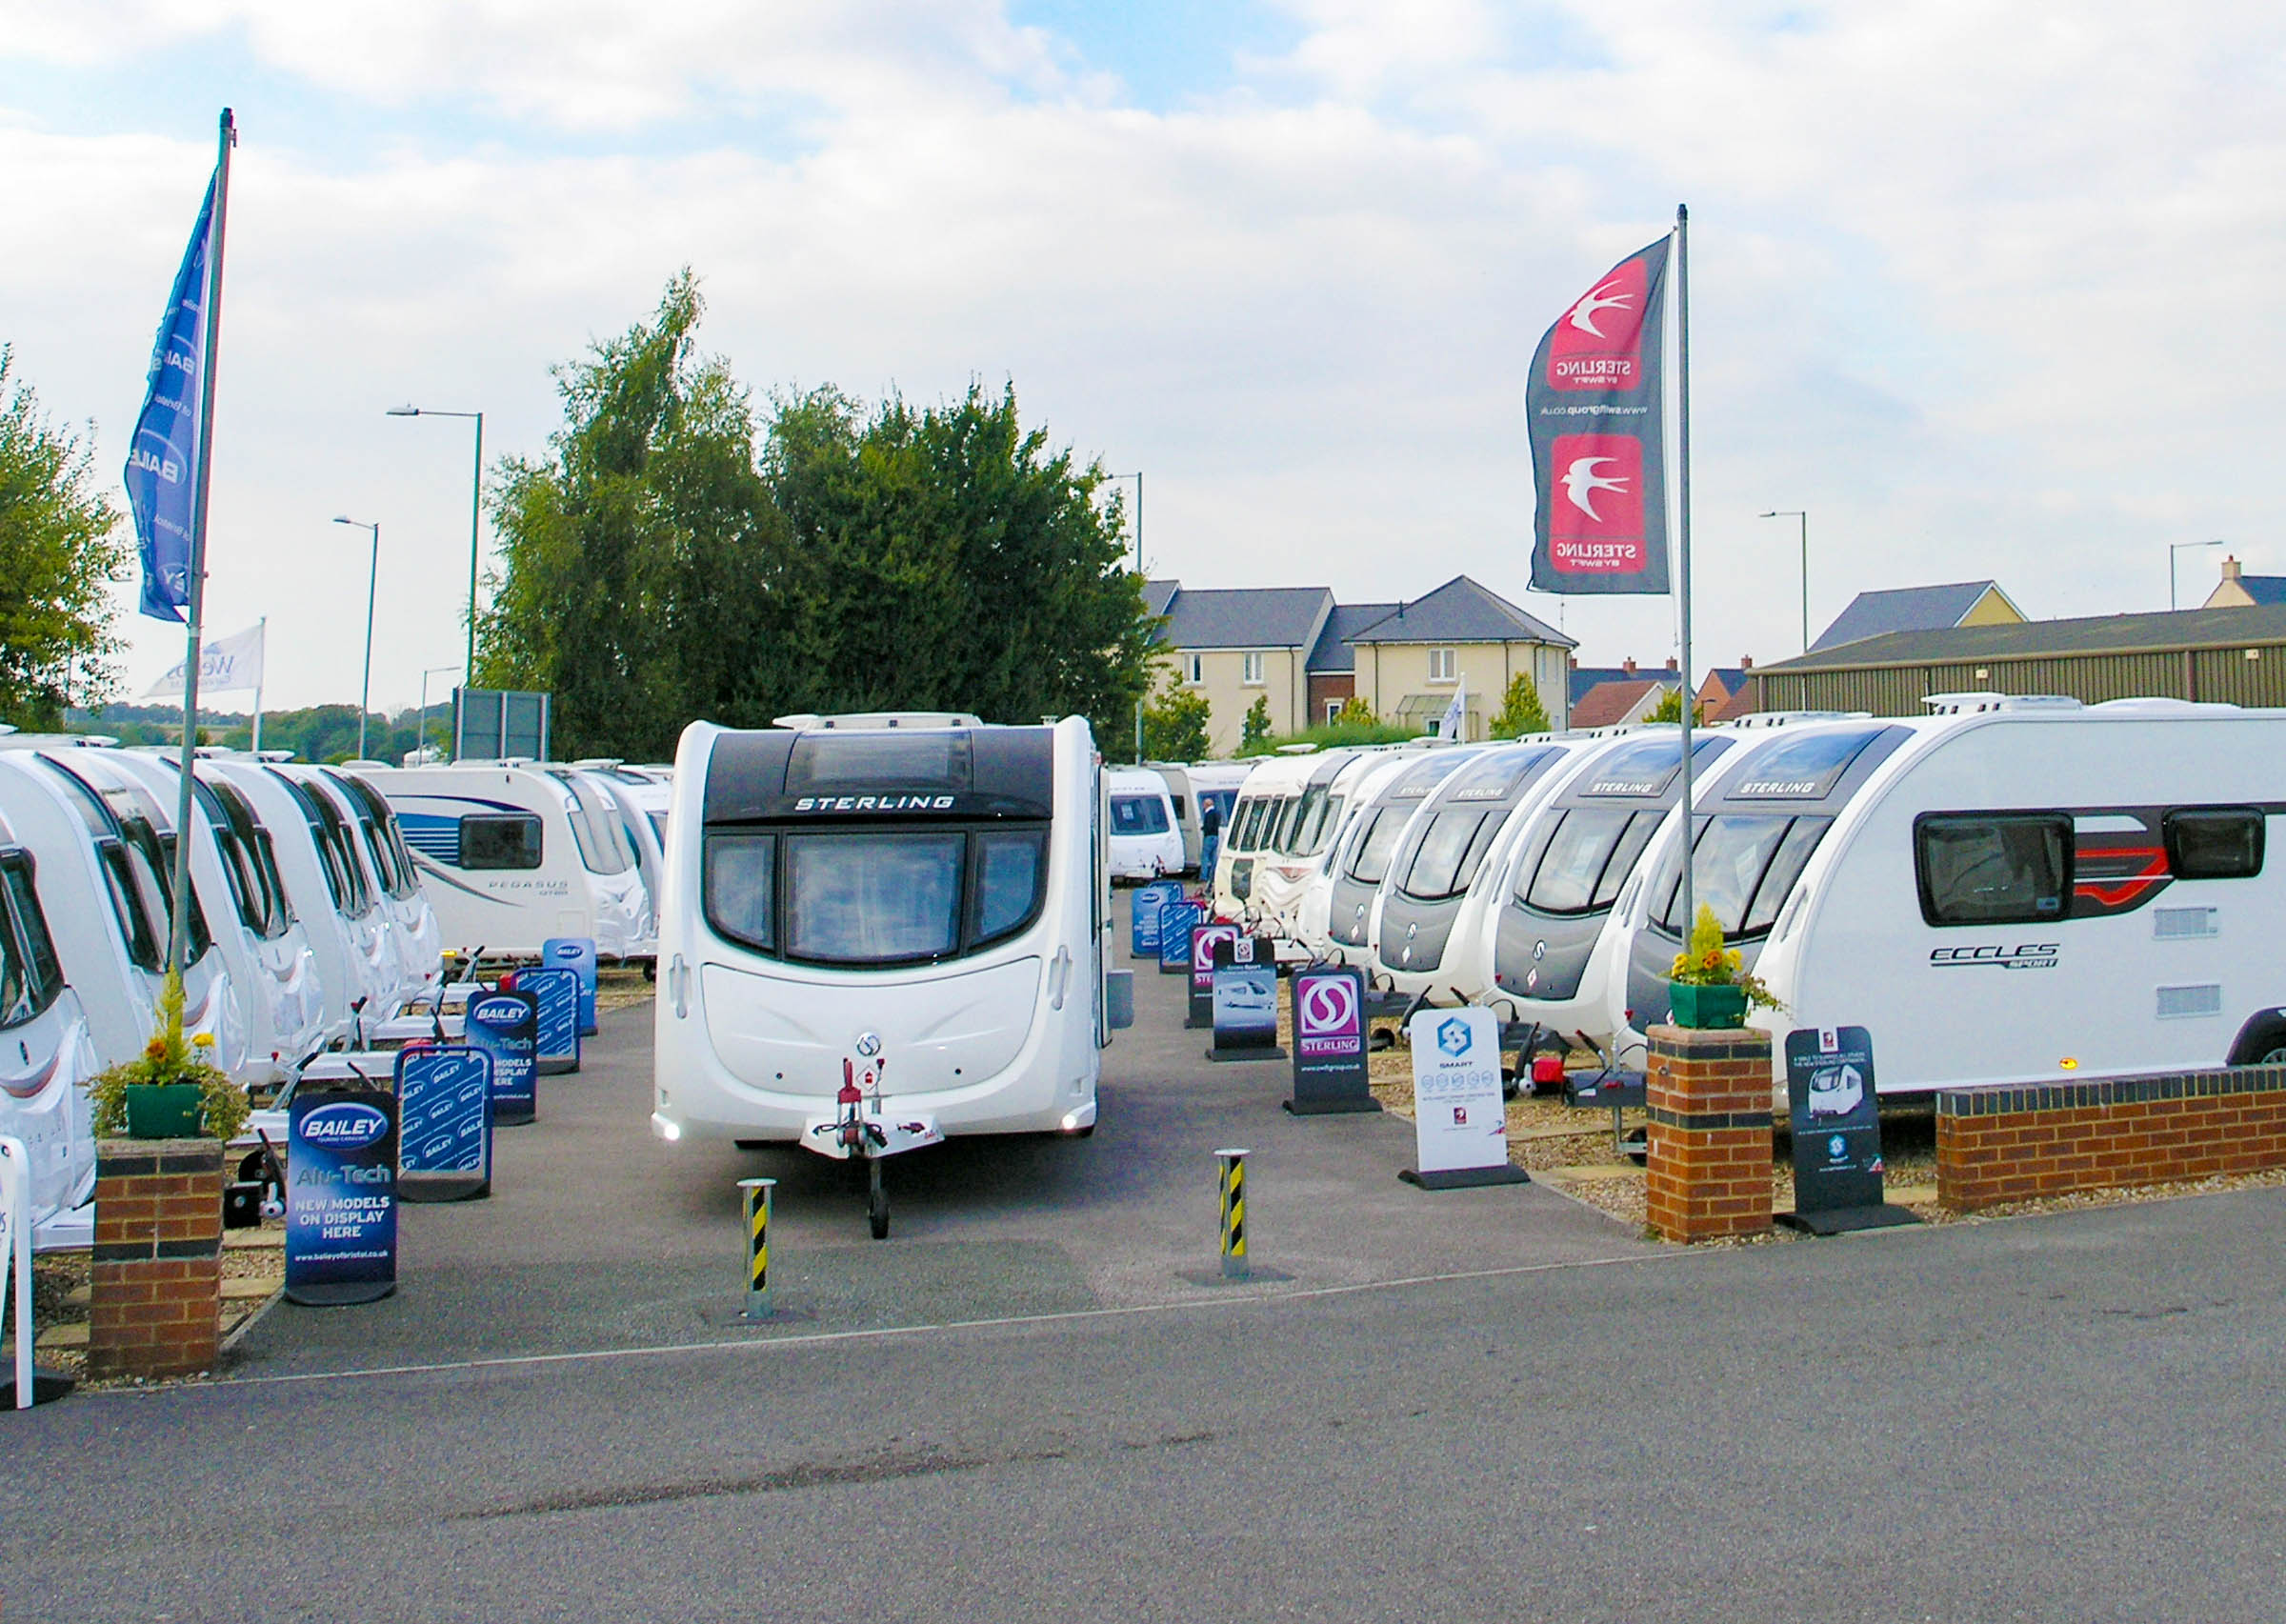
x: 155, y: 1049
x: 204, y: 1040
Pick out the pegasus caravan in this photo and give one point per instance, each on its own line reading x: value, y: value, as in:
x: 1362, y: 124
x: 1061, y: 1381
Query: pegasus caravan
x: 2009, y: 889
x: 1551, y: 956
x: 272, y: 968
x: 514, y: 855
x: 102, y: 873
x: 46, y: 1055
x: 1146, y: 841
x: 1434, y: 904
x: 931, y: 892
x: 1360, y: 863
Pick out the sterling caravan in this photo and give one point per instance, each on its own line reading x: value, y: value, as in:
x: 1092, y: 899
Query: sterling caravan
x: 2009, y: 890
x: 511, y: 855
x: 933, y: 895
x: 1146, y: 842
x: 1358, y: 789
x: 1361, y: 861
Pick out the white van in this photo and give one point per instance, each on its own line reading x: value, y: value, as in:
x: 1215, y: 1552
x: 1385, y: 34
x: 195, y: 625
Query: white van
x: 103, y: 874
x: 934, y: 896
x: 512, y: 854
x: 2010, y: 891
x: 271, y: 966
x: 1146, y: 841
x: 47, y: 1056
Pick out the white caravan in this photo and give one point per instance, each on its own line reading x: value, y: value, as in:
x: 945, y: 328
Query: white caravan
x: 1359, y: 861
x: 1194, y: 787
x: 1146, y: 842
x: 45, y: 1055
x: 1268, y: 797
x: 1552, y: 952
x: 1428, y: 924
x: 272, y: 968
x: 625, y: 795
x: 933, y: 895
x: 514, y: 855
x: 103, y: 877
x: 1360, y: 784
x: 2011, y: 890
x: 388, y: 863
x: 1295, y: 843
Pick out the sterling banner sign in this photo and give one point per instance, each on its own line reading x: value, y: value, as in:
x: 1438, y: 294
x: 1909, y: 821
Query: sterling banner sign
x: 1595, y: 407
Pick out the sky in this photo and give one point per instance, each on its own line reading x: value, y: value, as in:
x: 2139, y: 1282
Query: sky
x: 1989, y: 289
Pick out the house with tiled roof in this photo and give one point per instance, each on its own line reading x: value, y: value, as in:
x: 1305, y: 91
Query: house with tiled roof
x: 2239, y: 590
x: 1727, y: 691
x: 1306, y: 656
x: 1919, y: 608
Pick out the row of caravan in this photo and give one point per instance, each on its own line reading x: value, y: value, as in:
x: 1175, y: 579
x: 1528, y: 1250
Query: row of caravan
x: 1162, y: 815
x: 322, y: 900
x: 2002, y: 890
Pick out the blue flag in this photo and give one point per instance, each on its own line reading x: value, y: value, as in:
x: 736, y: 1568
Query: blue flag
x: 162, y: 462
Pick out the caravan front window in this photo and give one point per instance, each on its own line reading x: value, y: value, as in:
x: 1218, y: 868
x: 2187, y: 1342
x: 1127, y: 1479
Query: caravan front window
x: 1588, y: 859
x: 1993, y: 868
x: 1008, y: 883
x: 1371, y: 865
x: 43, y: 976
x: 740, y: 879
x: 1138, y: 814
x: 873, y: 898
x: 1745, y: 868
x: 1448, y: 855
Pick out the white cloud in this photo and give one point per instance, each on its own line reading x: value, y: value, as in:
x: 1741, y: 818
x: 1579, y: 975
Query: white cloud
x: 1986, y: 299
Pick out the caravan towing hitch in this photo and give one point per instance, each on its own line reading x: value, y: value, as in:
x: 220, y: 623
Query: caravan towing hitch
x: 865, y: 1128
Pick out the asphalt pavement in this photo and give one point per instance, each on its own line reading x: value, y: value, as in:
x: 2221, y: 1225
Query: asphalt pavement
x: 1462, y: 1406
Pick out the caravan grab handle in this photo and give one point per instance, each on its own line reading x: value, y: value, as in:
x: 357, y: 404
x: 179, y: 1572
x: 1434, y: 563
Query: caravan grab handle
x: 678, y: 986
x: 1060, y: 972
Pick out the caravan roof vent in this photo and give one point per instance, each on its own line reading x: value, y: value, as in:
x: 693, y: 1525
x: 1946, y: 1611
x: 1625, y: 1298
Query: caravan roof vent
x: 2158, y: 706
x: 1962, y: 704
x: 802, y: 721
x: 1787, y: 718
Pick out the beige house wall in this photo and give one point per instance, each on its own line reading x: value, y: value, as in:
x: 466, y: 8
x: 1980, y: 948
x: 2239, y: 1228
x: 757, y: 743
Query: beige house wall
x: 1285, y: 684
x: 1991, y: 610
x: 1388, y: 673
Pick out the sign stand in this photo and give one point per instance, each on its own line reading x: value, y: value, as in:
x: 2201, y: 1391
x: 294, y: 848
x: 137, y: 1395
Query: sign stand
x: 1176, y: 921
x: 503, y: 1025
x: 1244, y: 988
x: 555, y: 1032
x: 1202, y: 939
x: 341, y: 1195
x: 1143, y: 917
x: 1329, y: 1042
x: 1837, y: 1131
x: 444, y: 1123
x: 1459, y: 1120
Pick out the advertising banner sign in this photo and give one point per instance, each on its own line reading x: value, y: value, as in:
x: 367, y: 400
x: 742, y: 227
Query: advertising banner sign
x: 1595, y: 407
x: 1837, y: 1123
x: 502, y: 1024
x: 1329, y: 1041
x: 341, y: 1195
x: 576, y: 954
x: 1143, y: 921
x: 556, y: 1034
x: 1175, y: 920
x: 444, y: 1123
x: 1245, y: 993
x: 1460, y: 1123
x: 1203, y: 939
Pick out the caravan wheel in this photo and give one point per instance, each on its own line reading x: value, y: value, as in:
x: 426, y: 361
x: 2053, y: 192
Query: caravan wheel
x: 877, y: 1214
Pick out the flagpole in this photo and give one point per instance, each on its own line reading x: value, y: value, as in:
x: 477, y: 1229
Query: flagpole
x: 263, y: 638
x: 179, y: 927
x: 1682, y: 346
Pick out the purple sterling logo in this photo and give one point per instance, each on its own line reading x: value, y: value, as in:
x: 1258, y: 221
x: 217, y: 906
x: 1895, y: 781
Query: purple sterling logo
x: 1326, y: 1013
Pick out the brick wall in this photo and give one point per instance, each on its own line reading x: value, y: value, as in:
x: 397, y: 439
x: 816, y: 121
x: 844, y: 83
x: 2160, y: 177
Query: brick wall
x: 2016, y: 1144
x: 155, y: 1285
x: 1709, y: 1165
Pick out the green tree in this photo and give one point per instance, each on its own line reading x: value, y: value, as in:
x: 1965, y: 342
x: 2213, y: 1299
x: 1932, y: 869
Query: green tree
x: 59, y: 551
x: 1356, y: 713
x: 1255, y: 732
x: 1521, y: 712
x: 947, y: 558
x: 643, y: 563
x: 1670, y: 709
x: 1176, y: 724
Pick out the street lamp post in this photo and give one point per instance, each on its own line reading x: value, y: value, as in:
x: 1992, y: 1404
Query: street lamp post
x: 475, y: 516
x: 373, y: 580
x: 1137, y: 477
x: 421, y: 747
x: 1799, y: 513
x: 2173, y: 552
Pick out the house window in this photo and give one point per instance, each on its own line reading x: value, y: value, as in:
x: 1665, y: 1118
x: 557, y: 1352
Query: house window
x: 1332, y: 709
x: 1198, y: 667
x: 1440, y: 664
x: 1250, y: 669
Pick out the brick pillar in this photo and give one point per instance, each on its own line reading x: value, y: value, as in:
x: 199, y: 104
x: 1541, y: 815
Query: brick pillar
x: 1711, y: 1146
x: 155, y: 1286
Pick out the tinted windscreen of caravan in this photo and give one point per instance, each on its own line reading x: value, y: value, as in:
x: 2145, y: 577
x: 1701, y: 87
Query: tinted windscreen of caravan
x: 1745, y: 865
x: 1993, y: 868
x: 741, y: 877
x: 1138, y: 814
x: 872, y: 898
x: 1806, y: 767
x: 1449, y: 852
x: 500, y: 840
x: 1588, y: 859
x: 1371, y: 865
x: 43, y: 976
x: 15, y: 986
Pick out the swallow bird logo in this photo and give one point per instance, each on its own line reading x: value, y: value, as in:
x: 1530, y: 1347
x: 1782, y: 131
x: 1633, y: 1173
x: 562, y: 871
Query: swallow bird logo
x: 1595, y: 302
x: 1581, y: 482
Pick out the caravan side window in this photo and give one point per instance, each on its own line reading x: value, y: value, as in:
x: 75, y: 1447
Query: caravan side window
x: 1993, y: 868
x: 500, y: 840
x: 2214, y: 843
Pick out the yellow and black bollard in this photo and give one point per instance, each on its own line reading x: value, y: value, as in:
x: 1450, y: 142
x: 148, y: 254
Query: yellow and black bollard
x: 1233, y: 1213
x: 758, y: 1192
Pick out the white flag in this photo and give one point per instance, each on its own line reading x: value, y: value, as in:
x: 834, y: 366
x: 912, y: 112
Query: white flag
x: 1454, y: 720
x: 227, y: 664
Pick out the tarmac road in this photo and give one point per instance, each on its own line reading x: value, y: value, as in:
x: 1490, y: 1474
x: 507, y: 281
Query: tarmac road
x: 2064, y: 1417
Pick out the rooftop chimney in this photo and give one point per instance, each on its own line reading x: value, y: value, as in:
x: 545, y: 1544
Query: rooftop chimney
x: 1671, y: 666
x: 1746, y: 662
x: 2230, y: 568
x: 1628, y: 666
